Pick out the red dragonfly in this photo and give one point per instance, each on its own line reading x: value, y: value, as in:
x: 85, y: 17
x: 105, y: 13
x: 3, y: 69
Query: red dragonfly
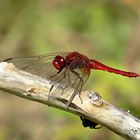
x: 70, y: 69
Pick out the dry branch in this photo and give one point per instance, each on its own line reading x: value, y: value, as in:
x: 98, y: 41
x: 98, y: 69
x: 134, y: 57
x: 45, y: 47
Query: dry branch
x: 94, y: 108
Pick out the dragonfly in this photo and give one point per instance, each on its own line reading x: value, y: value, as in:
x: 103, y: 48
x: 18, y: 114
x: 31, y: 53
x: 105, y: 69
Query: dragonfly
x: 70, y: 69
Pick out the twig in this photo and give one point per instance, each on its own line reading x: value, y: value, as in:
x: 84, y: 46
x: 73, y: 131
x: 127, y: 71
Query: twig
x: 94, y: 108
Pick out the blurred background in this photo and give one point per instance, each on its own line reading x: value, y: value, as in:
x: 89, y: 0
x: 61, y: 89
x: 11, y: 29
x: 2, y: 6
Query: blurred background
x: 104, y: 30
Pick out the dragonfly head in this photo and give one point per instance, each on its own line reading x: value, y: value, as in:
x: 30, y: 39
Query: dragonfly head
x: 59, y: 62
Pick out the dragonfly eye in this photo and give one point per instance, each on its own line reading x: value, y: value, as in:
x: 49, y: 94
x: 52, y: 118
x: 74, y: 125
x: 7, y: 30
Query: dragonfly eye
x: 59, y: 62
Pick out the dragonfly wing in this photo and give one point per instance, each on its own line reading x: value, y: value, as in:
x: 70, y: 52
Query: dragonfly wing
x: 78, y: 77
x: 39, y: 65
x: 69, y: 82
x: 67, y: 79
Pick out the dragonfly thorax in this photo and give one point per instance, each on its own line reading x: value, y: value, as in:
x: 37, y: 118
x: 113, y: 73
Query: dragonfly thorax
x: 76, y: 60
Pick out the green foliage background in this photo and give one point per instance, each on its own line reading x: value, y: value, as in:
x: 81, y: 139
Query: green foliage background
x: 104, y: 30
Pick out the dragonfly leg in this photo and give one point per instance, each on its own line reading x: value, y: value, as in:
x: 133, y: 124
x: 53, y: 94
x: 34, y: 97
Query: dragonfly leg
x: 49, y: 94
x: 69, y: 81
x: 80, y: 92
x: 52, y: 79
x: 76, y: 90
x: 51, y: 88
x: 81, y: 85
x: 56, y: 74
x: 61, y: 77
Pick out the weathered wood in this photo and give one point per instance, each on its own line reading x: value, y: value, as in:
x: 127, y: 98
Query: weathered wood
x: 93, y: 107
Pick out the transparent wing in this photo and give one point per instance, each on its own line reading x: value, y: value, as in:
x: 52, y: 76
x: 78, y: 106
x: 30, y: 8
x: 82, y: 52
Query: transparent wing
x: 77, y: 77
x: 71, y: 80
x: 40, y: 65
x: 67, y: 79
